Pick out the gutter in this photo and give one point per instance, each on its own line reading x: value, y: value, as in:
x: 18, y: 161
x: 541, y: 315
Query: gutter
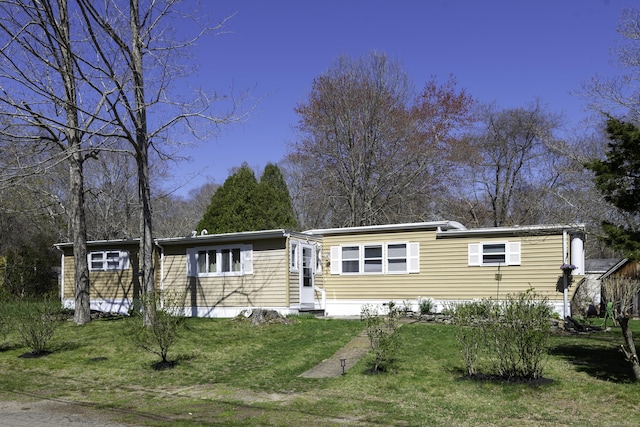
x: 434, y: 225
x: 57, y: 246
x: 161, y: 265
x: 513, y: 231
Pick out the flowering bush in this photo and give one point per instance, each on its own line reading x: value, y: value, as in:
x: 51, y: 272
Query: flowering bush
x: 569, y: 267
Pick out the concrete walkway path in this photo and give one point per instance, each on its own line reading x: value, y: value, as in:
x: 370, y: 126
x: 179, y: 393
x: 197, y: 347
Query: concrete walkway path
x: 355, y: 349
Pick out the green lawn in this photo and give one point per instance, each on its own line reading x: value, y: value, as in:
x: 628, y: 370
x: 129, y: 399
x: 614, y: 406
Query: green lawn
x: 231, y: 373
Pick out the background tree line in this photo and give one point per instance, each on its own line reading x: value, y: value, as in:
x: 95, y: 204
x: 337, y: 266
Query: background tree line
x: 371, y: 147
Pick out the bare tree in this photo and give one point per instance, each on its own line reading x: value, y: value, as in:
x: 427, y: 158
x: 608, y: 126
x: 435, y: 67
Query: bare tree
x: 369, y: 145
x: 513, y: 165
x: 39, y: 97
x: 618, y: 95
x: 111, y: 196
x: 622, y: 291
x: 176, y: 216
x: 134, y: 71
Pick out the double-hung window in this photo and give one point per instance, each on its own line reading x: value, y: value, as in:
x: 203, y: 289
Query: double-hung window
x: 397, y: 258
x: 494, y: 253
x: 378, y: 258
x: 372, y: 258
x: 350, y: 259
x: 219, y: 260
x: 110, y: 260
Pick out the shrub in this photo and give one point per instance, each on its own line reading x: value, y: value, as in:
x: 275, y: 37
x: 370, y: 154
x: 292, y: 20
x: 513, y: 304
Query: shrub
x: 469, y: 319
x: 522, y: 335
x: 164, y: 328
x: 381, y: 333
x: 36, y: 322
x: 407, y: 307
x: 426, y: 305
x: 5, y: 322
x: 513, y: 334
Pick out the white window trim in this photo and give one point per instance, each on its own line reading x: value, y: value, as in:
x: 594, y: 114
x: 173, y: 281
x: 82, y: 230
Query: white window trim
x: 412, y: 258
x: 246, y: 261
x: 512, y: 254
x: 123, y: 260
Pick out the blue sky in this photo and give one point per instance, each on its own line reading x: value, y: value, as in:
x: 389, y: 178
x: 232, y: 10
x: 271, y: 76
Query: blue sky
x: 507, y: 51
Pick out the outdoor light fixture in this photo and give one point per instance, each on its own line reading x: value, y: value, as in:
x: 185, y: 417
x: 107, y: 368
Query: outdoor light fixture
x: 343, y: 363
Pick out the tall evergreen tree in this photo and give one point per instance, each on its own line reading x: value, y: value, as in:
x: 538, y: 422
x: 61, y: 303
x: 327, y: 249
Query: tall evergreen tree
x: 618, y: 179
x: 274, y: 201
x: 243, y: 204
x: 232, y: 205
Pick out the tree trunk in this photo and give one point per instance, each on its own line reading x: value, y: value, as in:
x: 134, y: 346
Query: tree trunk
x: 142, y: 159
x: 630, y: 349
x: 82, y: 313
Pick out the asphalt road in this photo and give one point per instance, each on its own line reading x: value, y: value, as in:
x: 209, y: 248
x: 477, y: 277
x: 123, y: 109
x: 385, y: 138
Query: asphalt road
x: 46, y: 413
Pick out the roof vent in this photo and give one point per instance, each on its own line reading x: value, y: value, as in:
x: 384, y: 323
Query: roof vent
x: 204, y: 232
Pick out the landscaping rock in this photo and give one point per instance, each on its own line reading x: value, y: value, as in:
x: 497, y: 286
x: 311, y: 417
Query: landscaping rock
x: 261, y: 316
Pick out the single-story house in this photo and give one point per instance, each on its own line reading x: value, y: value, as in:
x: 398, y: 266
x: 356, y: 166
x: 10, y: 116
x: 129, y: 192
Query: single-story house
x: 338, y: 270
x: 219, y: 274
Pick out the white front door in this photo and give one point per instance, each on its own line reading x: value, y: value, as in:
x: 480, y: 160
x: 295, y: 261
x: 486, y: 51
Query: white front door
x: 306, y: 277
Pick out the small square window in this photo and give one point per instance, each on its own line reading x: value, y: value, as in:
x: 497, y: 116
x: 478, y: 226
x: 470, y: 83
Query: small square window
x: 494, y: 253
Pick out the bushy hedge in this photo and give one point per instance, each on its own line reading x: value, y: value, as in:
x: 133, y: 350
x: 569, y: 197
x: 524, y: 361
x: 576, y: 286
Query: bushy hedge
x: 511, y: 335
x: 381, y: 333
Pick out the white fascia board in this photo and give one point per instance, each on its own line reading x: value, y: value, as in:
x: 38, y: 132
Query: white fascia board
x: 514, y: 231
x: 435, y: 225
x: 96, y: 243
x: 225, y: 237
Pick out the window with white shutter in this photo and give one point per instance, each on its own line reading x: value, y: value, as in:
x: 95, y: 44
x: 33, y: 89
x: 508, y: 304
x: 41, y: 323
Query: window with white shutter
x: 494, y: 253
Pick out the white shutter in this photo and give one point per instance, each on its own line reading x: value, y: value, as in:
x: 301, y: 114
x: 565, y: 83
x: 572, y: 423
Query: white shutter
x: 192, y: 262
x: 513, y: 253
x: 124, y: 260
x: 247, y: 259
x: 318, y: 258
x: 336, y: 260
x: 413, y: 257
x: 293, y: 256
x: 475, y: 254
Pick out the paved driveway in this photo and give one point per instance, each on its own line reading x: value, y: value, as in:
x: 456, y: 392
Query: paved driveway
x: 45, y: 413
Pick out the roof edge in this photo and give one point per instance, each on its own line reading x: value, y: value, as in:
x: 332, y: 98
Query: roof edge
x: 542, y: 228
x: 436, y: 225
x: 223, y: 237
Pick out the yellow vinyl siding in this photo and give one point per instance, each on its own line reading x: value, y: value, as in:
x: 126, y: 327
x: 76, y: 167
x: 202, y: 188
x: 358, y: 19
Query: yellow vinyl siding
x: 444, y: 271
x: 450, y: 277
x: 266, y: 287
x: 103, y: 284
x: 375, y: 286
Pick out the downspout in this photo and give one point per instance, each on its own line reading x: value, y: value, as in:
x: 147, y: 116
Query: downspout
x: 161, y: 272
x: 287, y: 247
x: 61, y: 274
x: 565, y: 278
